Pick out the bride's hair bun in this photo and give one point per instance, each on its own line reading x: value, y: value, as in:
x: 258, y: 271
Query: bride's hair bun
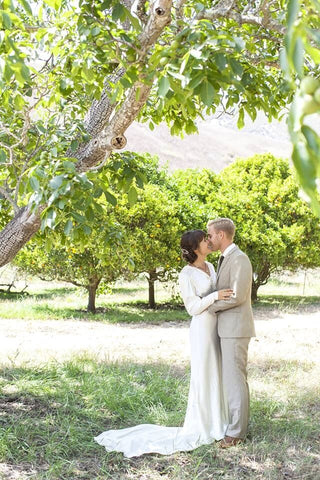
x: 190, y: 241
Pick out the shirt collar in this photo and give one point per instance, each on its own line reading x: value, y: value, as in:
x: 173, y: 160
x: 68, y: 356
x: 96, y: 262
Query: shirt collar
x: 228, y: 249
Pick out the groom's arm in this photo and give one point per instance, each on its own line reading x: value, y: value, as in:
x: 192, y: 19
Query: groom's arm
x: 240, y: 283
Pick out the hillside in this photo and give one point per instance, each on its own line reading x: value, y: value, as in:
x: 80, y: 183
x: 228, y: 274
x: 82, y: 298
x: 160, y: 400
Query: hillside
x: 218, y: 143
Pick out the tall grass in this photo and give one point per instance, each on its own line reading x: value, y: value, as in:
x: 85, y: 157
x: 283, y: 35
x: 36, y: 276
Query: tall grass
x: 50, y: 415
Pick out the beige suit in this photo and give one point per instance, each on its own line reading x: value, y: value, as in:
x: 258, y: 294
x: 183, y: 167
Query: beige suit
x: 235, y: 328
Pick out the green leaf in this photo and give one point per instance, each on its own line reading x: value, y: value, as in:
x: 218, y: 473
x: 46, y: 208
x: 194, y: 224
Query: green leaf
x: 134, y: 21
x: 298, y: 56
x: 87, y: 74
x: 118, y: 12
x: 95, y: 31
x: 79, y: 218
x: 312, y: 139
x: 240, y: 122
x: 305, y: 166
x: 236, y: 66
x: 220, y: 60
x: 7, y: 74
x: 68, y: 227
x: 125, y: 82
x: 19, y: 102
x: 164, y: 86
x: 6, y: 19
x: 110, y: 198
x: 293, y: 10
x: 313, y: 52
x: 69, y: 166
x: 132, y: 195
x: 196, y: 80
x: 74, y: 145
x: 240, y: 43
x: 284, y: 62
x: 207, y: 93
x: 56, y: 182
x: 106, y: 4
x: 184, y: 63
x: 87, y: 230
x: 53, y: 3
x: 3, y: 156
x: 50, y: 218
x: 34, y: 184
x: 26, y: 6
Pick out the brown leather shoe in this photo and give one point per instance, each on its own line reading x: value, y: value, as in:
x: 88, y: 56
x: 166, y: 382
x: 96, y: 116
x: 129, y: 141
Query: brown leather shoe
x: 228, y: 442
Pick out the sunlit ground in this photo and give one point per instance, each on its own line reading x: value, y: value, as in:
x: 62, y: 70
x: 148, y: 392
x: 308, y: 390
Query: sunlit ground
x: 67, y: 375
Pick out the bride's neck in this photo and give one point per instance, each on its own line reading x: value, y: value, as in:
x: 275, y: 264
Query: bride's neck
x: 200, y: 261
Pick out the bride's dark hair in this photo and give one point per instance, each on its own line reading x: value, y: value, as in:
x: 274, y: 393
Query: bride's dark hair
x: 189, y: 242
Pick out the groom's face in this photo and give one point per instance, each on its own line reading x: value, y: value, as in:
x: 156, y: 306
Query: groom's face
x: 214, y: 238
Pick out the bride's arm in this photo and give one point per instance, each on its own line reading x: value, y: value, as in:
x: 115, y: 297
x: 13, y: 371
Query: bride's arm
x: 193, y: 303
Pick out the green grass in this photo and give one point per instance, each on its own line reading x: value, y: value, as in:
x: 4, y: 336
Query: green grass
x: 127, y: 303
x: 286, y: 302
x: 50, y: 415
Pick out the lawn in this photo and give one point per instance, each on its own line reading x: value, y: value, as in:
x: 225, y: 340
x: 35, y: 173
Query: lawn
x: 51, y: 405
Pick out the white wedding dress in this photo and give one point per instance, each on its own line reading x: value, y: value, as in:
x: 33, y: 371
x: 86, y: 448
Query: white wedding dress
x: 206, y: 416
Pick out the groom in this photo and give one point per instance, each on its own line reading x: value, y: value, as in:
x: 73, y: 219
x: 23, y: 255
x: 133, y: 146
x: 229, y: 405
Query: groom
x: 235, y: 325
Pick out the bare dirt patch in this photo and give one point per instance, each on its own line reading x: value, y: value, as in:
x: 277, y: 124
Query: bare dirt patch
x: 38, y: 341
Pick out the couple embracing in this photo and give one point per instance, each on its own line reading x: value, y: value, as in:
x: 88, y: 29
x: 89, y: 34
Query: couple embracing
x: 221, y: 328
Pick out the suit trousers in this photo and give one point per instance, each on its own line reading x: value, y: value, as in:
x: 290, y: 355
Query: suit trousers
x: 234, y: 377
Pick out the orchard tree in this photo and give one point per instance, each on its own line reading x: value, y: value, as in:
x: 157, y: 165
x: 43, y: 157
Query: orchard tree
x: 95, y: 265
x: 153, y: 233
x: 274, y: 226
x: 197, y: 183
x: 75, y: 74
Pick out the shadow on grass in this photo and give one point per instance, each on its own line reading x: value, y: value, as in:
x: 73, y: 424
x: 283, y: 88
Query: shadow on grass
x: 134, y: 312
x: 47, y: 294
x: 127, y: 290
x: 282, y: 301
x: 52, y: 413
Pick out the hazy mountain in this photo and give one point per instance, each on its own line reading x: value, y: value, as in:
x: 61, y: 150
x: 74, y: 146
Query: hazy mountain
x: 218, y: 143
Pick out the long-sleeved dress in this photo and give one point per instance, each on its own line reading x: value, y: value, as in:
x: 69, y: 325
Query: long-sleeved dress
x: 206, y: 416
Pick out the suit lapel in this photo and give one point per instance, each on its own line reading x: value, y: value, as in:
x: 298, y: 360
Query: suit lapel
x: 226, y: 260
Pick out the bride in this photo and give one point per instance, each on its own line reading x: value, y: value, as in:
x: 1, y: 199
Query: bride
x: 206, y: 418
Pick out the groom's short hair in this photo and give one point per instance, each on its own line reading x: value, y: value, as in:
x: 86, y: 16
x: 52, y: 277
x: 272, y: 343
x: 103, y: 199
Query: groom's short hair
x: 223, y: 224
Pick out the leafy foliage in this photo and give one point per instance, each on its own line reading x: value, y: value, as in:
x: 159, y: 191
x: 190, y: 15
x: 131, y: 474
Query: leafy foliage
x: 92, y: 265
x: 302, y: 45
x: 60, y: 58
x: 274, y: 226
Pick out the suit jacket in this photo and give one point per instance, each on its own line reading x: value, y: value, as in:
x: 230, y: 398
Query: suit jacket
x: 235, y: 318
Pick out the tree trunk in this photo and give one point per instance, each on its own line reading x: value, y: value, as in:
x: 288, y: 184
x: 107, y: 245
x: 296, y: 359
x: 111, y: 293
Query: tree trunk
x: 151, y: 279
x: 92, y: 290
x: 254, y: 291
x: 17, y: 233
x: 260, y: 278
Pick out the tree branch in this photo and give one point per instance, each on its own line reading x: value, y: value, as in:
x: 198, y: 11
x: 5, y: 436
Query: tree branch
x: 112, y: 137
x: 7, y: 195
x: 224, y: 10
x: 138, y: 9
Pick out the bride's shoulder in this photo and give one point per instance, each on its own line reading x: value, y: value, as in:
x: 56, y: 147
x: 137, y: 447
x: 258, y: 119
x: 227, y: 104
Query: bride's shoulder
x: 186, y: 271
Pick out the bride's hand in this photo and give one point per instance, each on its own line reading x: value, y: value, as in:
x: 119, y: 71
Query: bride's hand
x: 225, y: 294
